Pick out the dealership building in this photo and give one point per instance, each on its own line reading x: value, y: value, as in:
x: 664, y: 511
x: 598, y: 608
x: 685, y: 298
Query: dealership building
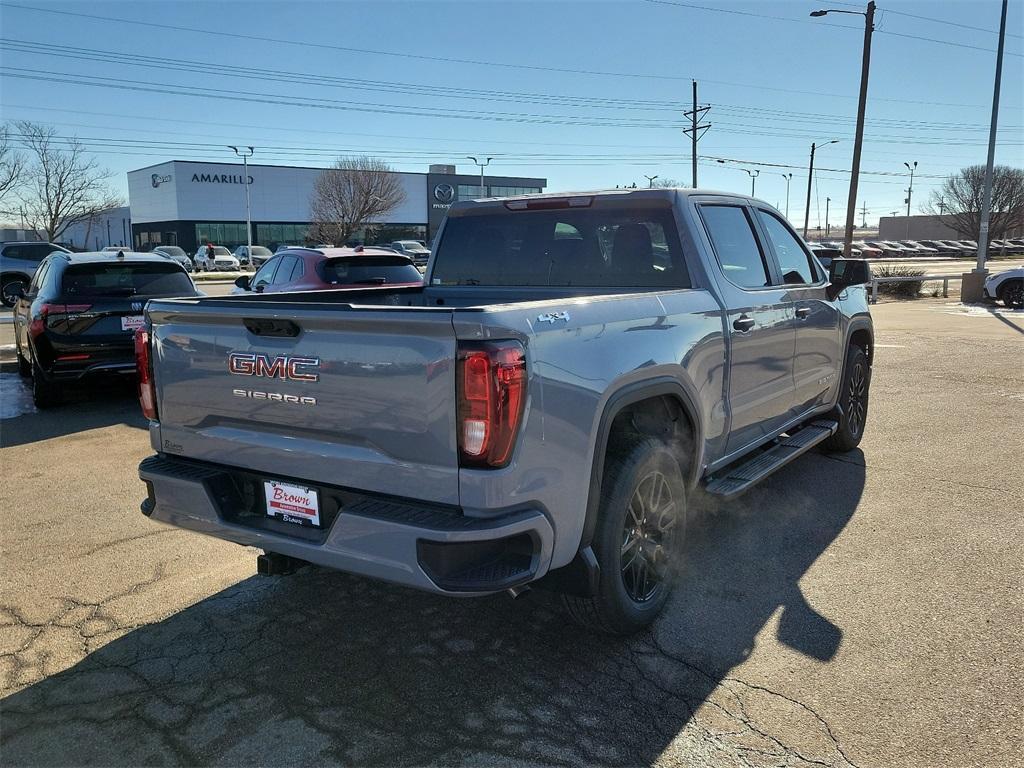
x: 188, y: 203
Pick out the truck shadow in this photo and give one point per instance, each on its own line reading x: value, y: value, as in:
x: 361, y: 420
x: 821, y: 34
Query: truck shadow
x: 321, y: 667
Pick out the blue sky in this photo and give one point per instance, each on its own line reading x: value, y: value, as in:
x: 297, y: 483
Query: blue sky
x: 586, y: 94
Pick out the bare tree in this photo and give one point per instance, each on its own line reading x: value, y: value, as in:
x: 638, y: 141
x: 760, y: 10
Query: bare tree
x: 960, y: 197
x: 61, y: 185
x: 668, y: 184
x: 12, y: 164
x: 353, y: 192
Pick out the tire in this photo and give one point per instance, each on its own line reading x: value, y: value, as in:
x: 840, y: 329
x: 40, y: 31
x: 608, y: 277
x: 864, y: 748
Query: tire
x: 1011, y: 293
x: 853, y: 399
x: 24, y: 366
x: 632, y: 591
x: 45, y: 394
x: 9, y: 290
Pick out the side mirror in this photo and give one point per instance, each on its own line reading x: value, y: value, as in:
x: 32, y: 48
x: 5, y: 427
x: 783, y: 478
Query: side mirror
x: 243, y: 282
x: 842, y: 273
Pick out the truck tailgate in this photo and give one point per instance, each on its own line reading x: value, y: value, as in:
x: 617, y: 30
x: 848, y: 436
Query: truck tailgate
x: 370, y: 405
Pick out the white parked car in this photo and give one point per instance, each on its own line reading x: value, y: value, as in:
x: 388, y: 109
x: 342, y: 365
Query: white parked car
x: 215, y: 258
x: 1007, y: 287
x: 259, y: 256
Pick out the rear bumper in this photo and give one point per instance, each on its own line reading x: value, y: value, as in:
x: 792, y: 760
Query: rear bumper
x: 432, y: 548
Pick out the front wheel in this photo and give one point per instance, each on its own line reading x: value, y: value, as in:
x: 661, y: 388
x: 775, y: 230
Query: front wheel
x: 1011, y: 293
x: 853, y: 400
x: 638, y: 540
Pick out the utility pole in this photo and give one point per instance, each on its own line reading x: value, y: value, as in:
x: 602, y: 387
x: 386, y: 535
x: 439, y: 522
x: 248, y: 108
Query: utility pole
x: 827, y: 201
x: 650, y: 180
x: 810, y: 178
x: 865, y: 67
x: 788, y: 177
x: 942, y: 206
x: 864, y: 215
x: 695, y: 131
x: 971, y: 289
x: 910, y: 192
x: 248, y: 211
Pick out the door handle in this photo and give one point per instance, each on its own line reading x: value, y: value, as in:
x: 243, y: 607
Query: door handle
x: 743, y: 323
x: 802, y: 313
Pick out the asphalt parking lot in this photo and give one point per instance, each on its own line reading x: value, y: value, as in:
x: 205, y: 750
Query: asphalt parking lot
x: 855, y: 610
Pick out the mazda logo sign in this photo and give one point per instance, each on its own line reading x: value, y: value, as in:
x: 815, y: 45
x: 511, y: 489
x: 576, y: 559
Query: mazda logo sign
x: 157, y: 179
x: 444, y: 193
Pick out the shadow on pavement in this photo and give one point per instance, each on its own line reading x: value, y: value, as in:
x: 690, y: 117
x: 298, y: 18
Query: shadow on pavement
x: 85, y: 406
x: 324, y: 668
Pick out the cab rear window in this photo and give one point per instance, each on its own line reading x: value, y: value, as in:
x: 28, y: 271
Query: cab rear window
x: 601, y: 247
x: 369, y: 270
x: 126, y: 280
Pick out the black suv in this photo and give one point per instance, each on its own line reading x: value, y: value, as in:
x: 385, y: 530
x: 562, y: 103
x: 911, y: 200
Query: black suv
x: 18, y: 263
x: 78, y: 316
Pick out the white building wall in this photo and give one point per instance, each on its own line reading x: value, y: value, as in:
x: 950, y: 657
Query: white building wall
x: 216, y: 192
x: 110, y: 227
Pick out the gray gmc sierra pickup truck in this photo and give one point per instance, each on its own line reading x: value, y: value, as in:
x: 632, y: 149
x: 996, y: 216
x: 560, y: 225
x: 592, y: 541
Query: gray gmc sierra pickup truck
x: 573, y: 370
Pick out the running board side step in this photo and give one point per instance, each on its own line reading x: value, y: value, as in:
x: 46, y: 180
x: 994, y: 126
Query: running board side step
x: 740, y: 477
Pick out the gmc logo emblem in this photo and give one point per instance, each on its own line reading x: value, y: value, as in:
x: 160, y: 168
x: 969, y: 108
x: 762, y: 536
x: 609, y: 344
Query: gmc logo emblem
x: 278, y: 367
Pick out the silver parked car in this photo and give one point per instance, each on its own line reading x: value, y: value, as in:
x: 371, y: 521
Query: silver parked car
x: 175, y: 254
x: 18, y: 263
x: 415, y: 250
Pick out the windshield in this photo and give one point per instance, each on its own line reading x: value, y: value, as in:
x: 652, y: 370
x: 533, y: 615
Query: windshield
x: 259, y: 250
x: 149, y: 279
x: 171, y: 250
x: 369, y: 270
x: 411, y: 245
x: 604, y: 247
x: 220, y: 250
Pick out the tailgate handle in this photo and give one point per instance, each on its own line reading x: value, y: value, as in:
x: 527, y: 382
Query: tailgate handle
x: 260, y: 326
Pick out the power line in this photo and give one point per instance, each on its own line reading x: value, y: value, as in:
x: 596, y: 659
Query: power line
x: 420, y: 89
x: 306, y: 44
x: 770, y: 17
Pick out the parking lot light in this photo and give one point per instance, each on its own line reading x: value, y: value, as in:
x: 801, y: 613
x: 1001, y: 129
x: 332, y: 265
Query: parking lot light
x: 810, y: 179
x: 248, y: 217
x: 482, y: 166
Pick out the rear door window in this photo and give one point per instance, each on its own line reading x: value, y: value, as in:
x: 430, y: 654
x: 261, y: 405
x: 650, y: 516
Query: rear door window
x: 585, y: 247
x: 284, y: 270
x: 735, y: 244
x: 794, y: 262
x: 122, y: 279
x: 369, y: 270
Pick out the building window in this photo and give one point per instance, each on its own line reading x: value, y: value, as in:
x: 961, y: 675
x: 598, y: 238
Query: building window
x: 467, y: 191
x: 273, y: 235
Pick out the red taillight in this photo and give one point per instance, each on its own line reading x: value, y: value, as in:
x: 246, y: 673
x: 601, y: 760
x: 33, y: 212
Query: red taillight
x: 491, y: 389
x: 144, y: 369
x: 54, y: 313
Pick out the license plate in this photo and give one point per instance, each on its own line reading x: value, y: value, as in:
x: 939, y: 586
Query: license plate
x: 132, y: 322
x: 292, y: 503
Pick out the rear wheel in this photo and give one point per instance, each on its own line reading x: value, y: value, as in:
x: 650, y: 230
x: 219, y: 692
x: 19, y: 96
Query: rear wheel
x: 853, y: 400
x: 1011, y: 293
x: 638, y: 540
x: 45, y: 394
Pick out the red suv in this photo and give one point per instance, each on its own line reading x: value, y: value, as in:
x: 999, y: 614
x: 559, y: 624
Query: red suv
x: 312, y: 269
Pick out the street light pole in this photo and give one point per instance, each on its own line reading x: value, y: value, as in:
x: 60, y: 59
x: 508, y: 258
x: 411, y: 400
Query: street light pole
x: 482, y: 166
x: 851, y: 205
x: 248, y: 215
x: 753, y: 176
x: 788, y: 177
x: 910, y: 192
x: 650, y: 181
x: 810, y: 179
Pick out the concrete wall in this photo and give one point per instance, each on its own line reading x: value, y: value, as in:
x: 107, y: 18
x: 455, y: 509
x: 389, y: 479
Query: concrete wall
x: 111, y: 227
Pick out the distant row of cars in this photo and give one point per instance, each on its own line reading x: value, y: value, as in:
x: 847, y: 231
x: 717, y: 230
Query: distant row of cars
x: 893, y: 249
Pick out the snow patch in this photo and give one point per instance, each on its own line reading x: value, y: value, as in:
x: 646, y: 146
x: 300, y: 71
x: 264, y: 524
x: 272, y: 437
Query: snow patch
x: 15, y: 396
